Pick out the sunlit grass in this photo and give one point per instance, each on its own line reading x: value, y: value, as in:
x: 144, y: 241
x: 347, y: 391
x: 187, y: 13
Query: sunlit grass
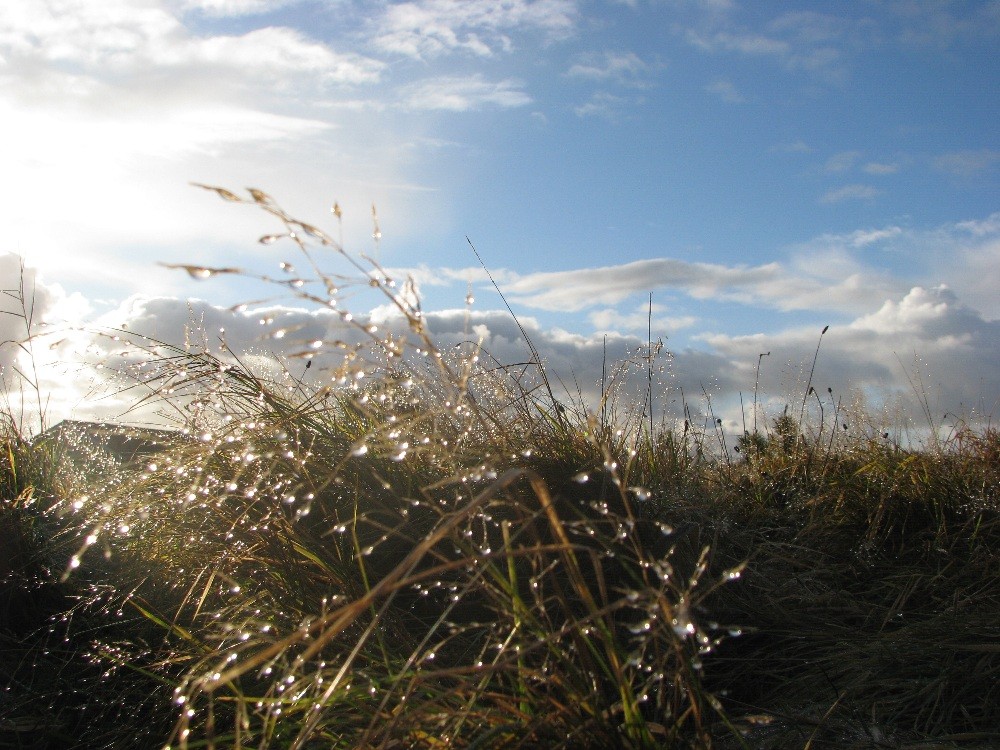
x: 415, y: 548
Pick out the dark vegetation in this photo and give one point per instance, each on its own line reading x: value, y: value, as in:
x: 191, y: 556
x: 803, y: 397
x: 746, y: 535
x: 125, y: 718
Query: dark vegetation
x: 427, y: 552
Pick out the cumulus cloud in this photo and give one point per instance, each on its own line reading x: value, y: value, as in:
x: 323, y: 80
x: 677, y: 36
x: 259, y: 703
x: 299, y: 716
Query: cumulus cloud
x: 925, y: 345
x: 39, y: 323
x: 578, y: 365
x: 24, y: 304
x: 926, y: 336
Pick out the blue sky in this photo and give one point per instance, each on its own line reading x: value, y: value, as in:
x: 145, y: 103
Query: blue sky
x: 763, y: 169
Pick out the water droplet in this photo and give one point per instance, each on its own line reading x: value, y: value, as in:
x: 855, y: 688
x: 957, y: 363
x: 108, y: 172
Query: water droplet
x: 641, y: 493
x: 733, y: 573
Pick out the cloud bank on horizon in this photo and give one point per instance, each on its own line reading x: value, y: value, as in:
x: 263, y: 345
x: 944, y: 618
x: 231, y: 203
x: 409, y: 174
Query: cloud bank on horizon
x: 761, y: 170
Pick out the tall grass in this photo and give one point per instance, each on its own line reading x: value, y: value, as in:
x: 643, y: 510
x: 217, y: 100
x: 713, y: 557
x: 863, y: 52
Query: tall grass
x: 419, y: 550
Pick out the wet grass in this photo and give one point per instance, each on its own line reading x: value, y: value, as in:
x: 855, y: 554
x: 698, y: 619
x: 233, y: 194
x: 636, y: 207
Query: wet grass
x: 420, y: 550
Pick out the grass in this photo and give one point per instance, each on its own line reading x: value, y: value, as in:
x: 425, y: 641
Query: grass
x: 421, y: 550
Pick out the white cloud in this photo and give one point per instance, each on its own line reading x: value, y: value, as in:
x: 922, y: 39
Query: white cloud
x: 236, y: 8
x: 880, y: 168
x: 610, y: 320
x: 818, y: 44
x: 794, y: 147
x: 625, y: 68
x: 925, y: 334
x: 600, y: 104
x: 820, y: 287
x: 843, y: 274
x: 111, y: 107
x: 919, y: 308
x: 843, y: 161
x: 726, y: 91
x: 967, y: 163
x: 863, y: 237
x: 744, y: 42
x: 462, y: 94
x: 964, y: 255
x: 943, y: 25
x: 849, y: 193
x: 431, y: 28
x: 925, y: 346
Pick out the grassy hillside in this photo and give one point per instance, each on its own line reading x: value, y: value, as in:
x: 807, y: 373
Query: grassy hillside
x: 438, y: 555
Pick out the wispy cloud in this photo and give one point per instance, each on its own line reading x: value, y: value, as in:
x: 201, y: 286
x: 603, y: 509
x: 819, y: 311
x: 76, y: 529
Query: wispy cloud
x: 461, y: 94
x: 236, y: 8
x: 880, y: 168
x: 843, y: 161
x: 726, y: 91
x: 793, y: 147
x: 624, y: 68
x: 967, y: 163
x: 600, y: 104
x: 431, y: 28
x: 849, y: 193
x: 943, y: 25
x: 610, y: 320
x: 111, y: 107
x: 818, y: 44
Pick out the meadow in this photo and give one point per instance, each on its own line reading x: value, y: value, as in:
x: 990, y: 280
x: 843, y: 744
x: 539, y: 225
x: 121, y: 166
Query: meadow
x: 429, y: 549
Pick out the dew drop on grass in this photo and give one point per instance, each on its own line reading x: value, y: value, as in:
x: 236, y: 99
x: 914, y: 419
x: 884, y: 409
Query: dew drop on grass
x: 733, y: 573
